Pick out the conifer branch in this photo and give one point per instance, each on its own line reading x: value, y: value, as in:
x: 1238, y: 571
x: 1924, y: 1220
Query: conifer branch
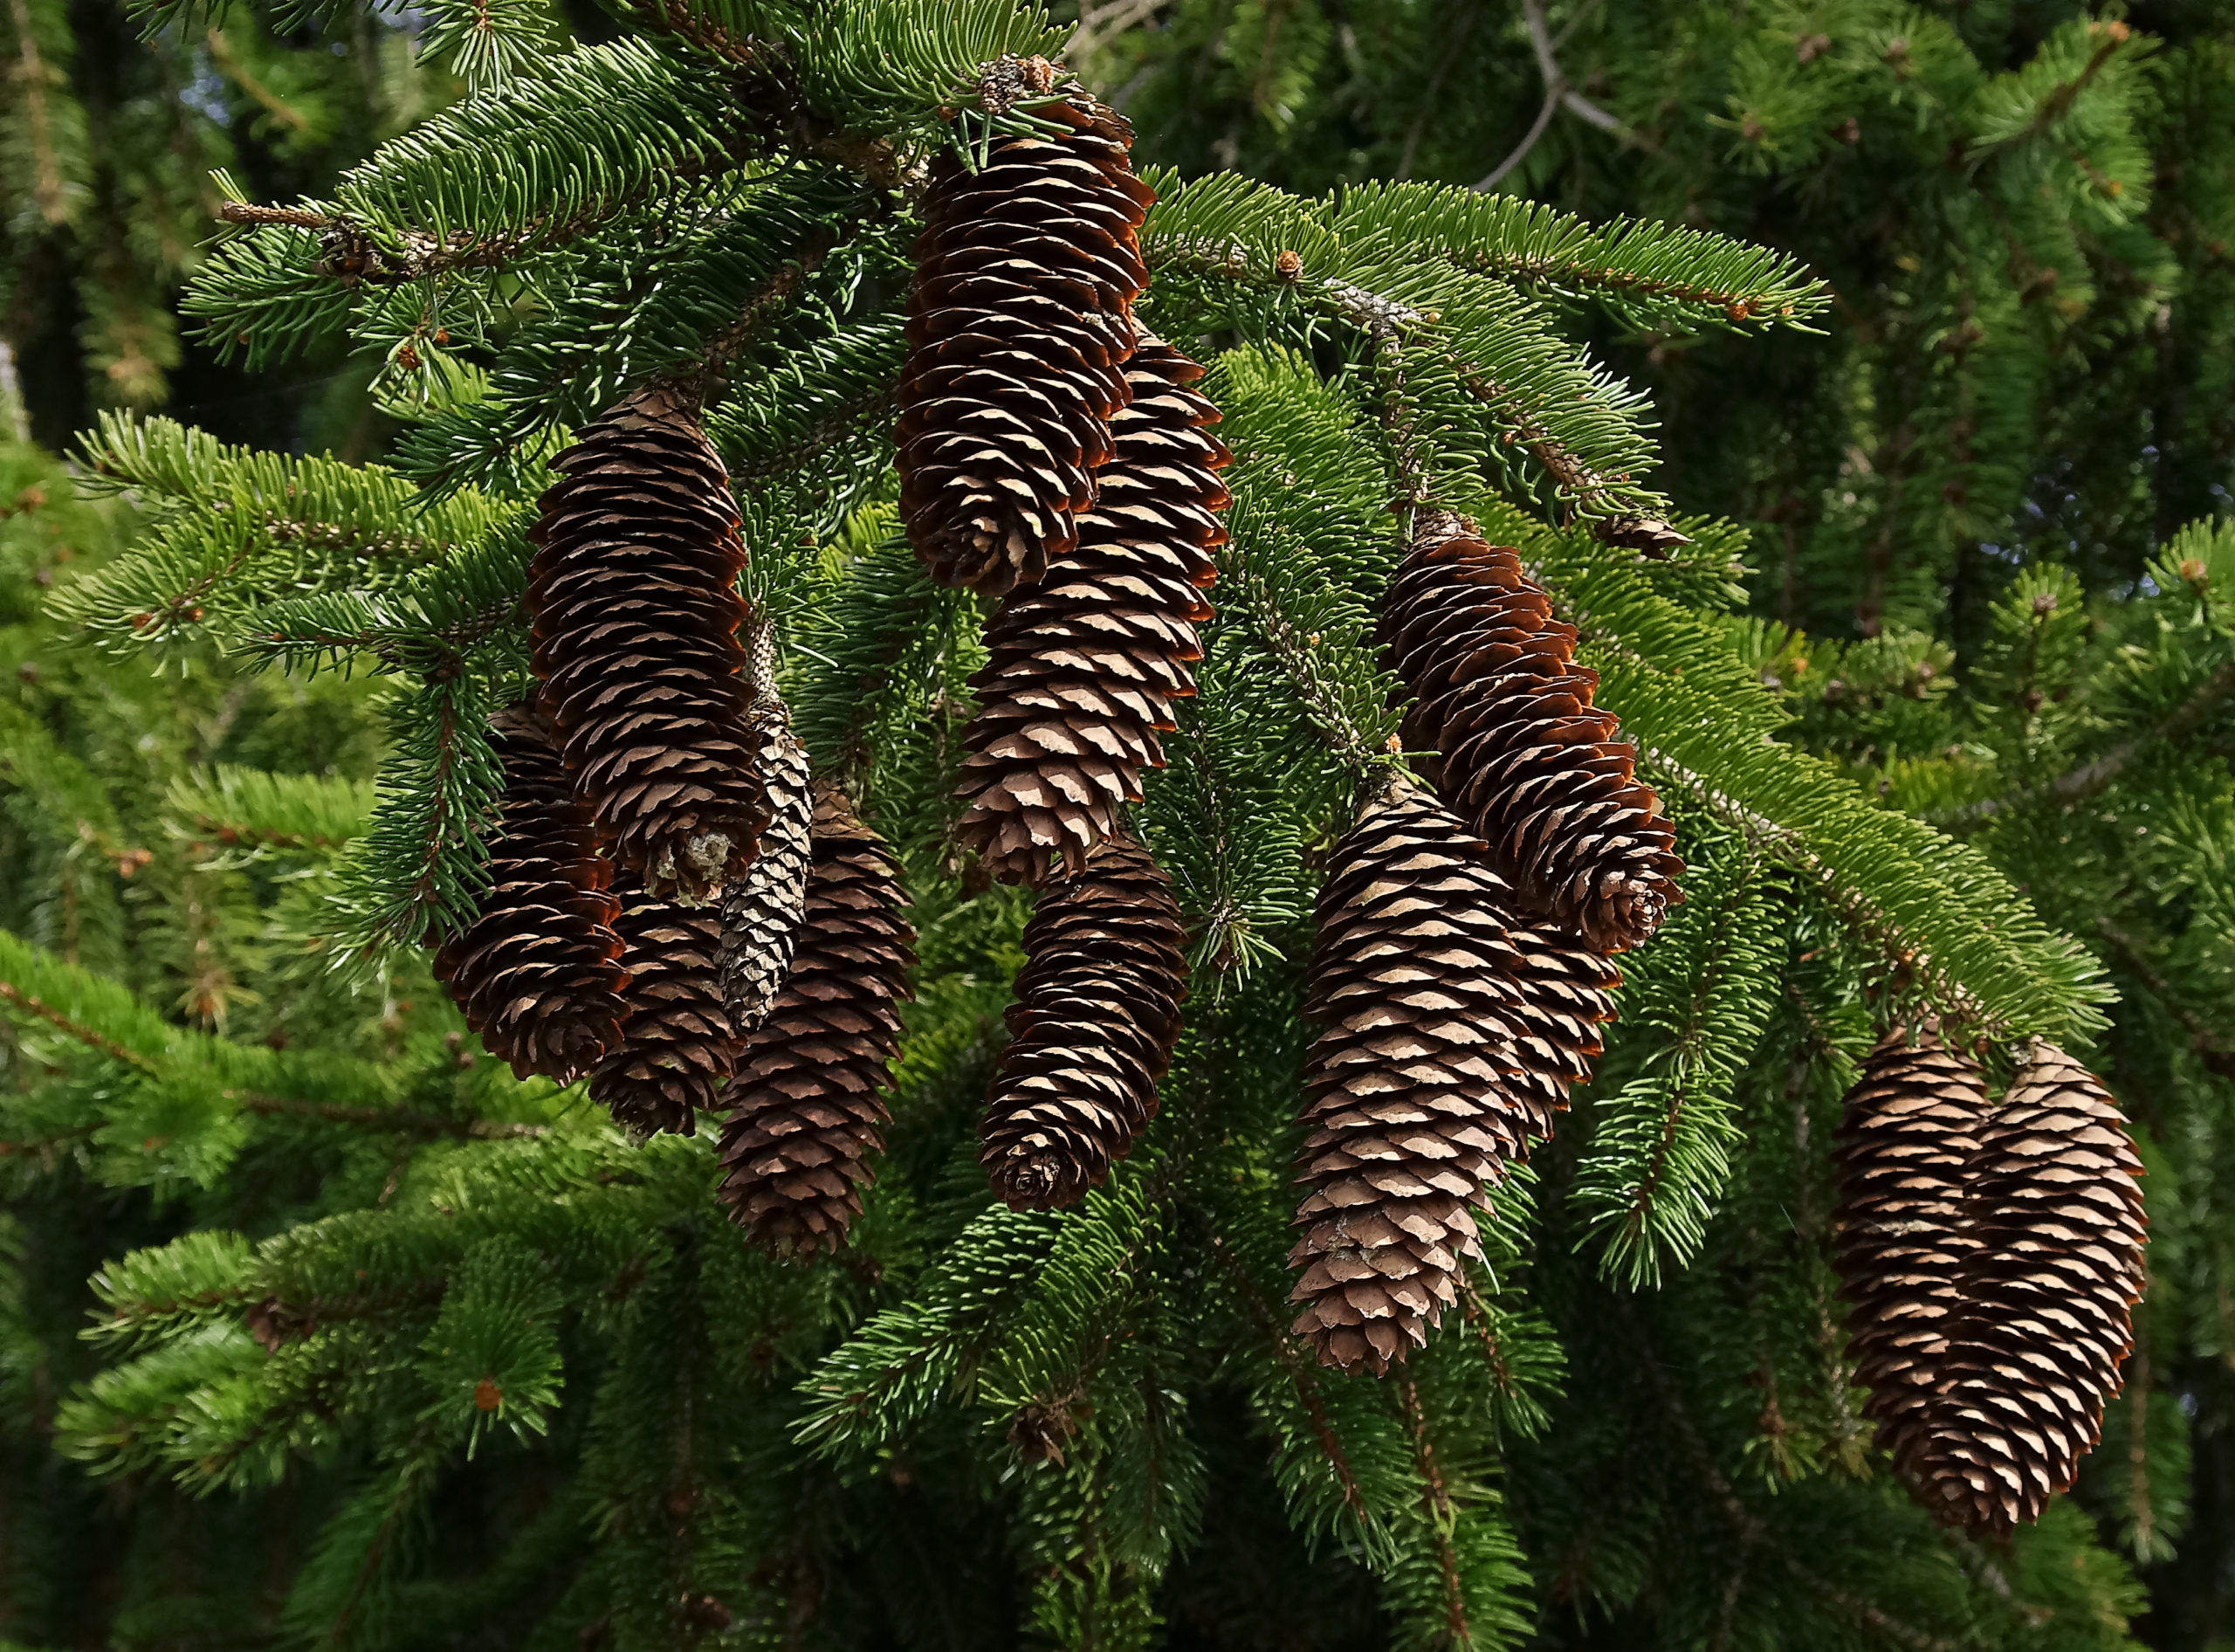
x: 2094, y: 775
x: 390, y: 1119
x: 95, y: 1040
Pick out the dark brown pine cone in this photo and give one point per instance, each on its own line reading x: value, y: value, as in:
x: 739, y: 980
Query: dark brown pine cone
x: 760, y: 911
x: 538, y: 971
x: 807, y: 1101
x: 676, y: 1048
x: 1095, y: 1018
x: 1909, y: 1130
x: 1019, y: 326
x: 1522, y: 754
x: 1435, y: 1068
x: 1085, y: 665
x: 633, y: 593
x: 2054, y: 1207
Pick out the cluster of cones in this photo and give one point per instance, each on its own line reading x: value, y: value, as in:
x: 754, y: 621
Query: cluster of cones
x: 681, y: 914
x: 1991, y: 1255
x: 676, y: 911
x: 1462, y: 968
x: 1054, y: 456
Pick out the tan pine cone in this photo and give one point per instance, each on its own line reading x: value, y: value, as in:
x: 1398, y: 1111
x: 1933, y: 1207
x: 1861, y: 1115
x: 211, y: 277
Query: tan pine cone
x: 1448, y: 1034
x: 1522, y: 754
x: 538, y: 971
x: 1093, y: 1028
x: 760, y: 911
x: 2054, y: 1207
x: 1908, y: 1134
x: 633, y: 594
x: 1085, y: 666
x: 1019, y: 324
x: 677, y: 1049
x: 807, y: 1105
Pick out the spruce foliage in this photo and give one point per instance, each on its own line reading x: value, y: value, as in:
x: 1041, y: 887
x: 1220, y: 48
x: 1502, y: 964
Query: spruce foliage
x: 447, y: 1353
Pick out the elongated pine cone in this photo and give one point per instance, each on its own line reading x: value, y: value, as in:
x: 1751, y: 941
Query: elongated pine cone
x: 807, y: 1103
x: 1908, y: 1135
x: 1093, y: 1028
x: 1085, y: 665
x: 1522, y: 754
x: 676, y: 1048
x: 1019, y: 324
x: 760, y: 911
x: 2055, y: 1210
x: 1564, y: 995
x: 538, y: 971
x: 1434, y: 1069
x: 633, y: 593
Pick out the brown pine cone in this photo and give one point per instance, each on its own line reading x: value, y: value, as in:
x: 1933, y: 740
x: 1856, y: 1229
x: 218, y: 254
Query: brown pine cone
x: 1093, y: 1028
x: 2055, y: 1211
x: 760, y: 911
x: 1908, y: 1134
x: 1437, y: 1065
x: 1019, y: 326
x: 1524, y: 754
x: 807, y: 1103
x: 1566, y: 993
x: 538, y: 971
x: 677, y: 1049
x: 1085, y: 665
x: 633, y: 593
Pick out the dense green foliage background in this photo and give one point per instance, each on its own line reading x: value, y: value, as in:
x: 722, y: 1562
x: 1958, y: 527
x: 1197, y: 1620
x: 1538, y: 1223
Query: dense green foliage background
x: 1978, y: 507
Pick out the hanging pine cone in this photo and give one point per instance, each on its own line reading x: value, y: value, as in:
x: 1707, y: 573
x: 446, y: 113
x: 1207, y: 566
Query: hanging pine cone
x: 1564, y: 994
x: 633, y: 592
x: 808, y: 1100
x: 1524, y: 754
x: 676, y: 1048
x: 1908, y: 1134
x: 1085, y: 665
x: 1092, y: 1029
x: 760, y: 911
x: 1019, y: 326
x: 2054, y: 1211
x: 538, y: 971
x: 1448, y: 1036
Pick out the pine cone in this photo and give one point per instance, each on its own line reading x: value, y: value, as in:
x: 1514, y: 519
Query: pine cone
x: 1448, y: 1034
x: 1524, y: 754
x: 1019, y: 326
x: 1909, y: 1132
x: 2048, y: 1290
x: 633, y: 592
x: 760, y: 911
x: 1564, y: 995
x: 1095, y: 1018
x: 1085, y: 665
x: 538, y: 971
x: 677, y: 1047
x: 807, y: 1101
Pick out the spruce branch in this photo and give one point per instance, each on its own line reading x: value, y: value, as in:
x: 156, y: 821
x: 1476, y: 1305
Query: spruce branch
x: 2099, y: 772
x: 401, y: 1119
